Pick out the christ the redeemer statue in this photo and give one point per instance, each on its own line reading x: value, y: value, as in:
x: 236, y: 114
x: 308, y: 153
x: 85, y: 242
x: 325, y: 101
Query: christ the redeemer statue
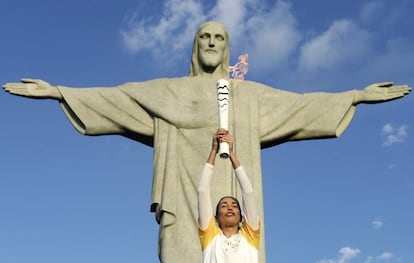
x: 178, y: 116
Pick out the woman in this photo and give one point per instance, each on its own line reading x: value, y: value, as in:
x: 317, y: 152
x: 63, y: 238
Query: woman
x: 229, y: 236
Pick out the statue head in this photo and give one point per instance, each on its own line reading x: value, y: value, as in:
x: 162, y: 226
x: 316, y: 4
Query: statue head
x: 210, y: 50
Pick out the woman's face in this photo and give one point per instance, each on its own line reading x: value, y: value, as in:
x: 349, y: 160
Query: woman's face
x: 228, y: 212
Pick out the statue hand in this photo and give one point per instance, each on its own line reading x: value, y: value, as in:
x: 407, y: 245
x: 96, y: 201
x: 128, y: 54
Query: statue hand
x: 381, y: 92
x: 33, y: 88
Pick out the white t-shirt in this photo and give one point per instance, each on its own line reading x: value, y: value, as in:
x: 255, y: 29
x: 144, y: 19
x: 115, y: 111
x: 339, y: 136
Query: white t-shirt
x: 239, y: 248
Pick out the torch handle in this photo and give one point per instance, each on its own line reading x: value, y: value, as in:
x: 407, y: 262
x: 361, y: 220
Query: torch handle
x: 223, y: 90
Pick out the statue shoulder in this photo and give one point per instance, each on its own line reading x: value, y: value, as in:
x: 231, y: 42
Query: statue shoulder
x: 260, y: 90
x: 253, y: 86
x: 158, y: 82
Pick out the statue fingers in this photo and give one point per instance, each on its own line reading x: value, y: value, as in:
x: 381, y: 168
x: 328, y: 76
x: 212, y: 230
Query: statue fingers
x: 24, y: 89
x: 16, y: 88
x: 402, y: 89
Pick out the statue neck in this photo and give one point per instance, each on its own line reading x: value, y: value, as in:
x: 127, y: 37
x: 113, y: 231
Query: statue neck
x: 216, y: 72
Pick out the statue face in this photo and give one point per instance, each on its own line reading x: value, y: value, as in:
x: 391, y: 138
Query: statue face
x: 211, y: 42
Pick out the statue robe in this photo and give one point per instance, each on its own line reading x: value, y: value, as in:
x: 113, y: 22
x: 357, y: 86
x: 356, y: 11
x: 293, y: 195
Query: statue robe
x: 178, y: 116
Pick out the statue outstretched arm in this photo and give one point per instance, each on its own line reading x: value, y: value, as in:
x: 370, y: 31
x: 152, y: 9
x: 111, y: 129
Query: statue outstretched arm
x: 33, y: 88
x: 381, y: 92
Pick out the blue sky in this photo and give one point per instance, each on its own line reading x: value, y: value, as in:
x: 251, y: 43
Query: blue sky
x: 70, y: 198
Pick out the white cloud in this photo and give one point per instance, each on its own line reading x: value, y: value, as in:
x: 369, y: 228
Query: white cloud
x: 393, y: 134
x: 391, y: 166
x: 269, y: 35
x: 231, y: 13
x: 384, y: 257
x: 174, y: 31
x: 345, y: 254
x: 269, y: 32
x: 344, y: 42
x: 372, y: 11
x: 377, y: 223
x: 394, y: 62
x: 272, y: 36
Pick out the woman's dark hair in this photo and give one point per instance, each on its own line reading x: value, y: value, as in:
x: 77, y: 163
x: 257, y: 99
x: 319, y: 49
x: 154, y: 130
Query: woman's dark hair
x: 237, y: 203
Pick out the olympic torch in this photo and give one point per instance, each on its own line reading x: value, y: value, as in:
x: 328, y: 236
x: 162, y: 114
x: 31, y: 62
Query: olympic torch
x: 223, y: 90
